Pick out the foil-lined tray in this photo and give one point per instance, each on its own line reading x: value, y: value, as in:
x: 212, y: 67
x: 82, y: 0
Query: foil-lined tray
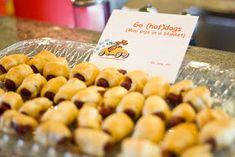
x: 220, y: 82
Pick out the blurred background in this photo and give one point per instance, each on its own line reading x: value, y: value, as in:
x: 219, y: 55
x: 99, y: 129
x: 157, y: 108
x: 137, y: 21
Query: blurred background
x: 215, y: 29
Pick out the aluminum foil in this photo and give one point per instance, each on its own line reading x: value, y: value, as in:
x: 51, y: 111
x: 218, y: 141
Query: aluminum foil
x: 220, y: 82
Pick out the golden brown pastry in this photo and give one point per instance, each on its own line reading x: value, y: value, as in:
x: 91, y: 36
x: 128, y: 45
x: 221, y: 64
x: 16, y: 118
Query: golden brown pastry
x: 157, y: 106
x: 56, y: 68
x: 69, y: 89
x: 45, y: 54
x: 50, y: 89
x: 1, y: 91
x: 177, y: 91
x: 157, y: 86
x: 7, y: 62
x: 207, y: 115
x: 92, y: 141
x: 134, y: 81
x: 182, y: 113
x: 150, y: 127
x: 35, y: 107
x: 218, y: 133
x: 2, y: 77
x: 10, y: 100
x: 86, y: 96
x: 89, y: 117
x: 31, y: 86
x: 131, y: 104
x: 133, y: 147
x: 66, y: 112
x: 179, y: 138
x: 52, y: 133
x: 111, y: 99
x: 13, y: 121
x: 118, y: 125
x: 199, y: 98
x: 109, y: 77
x: 16, y: 75
x: 86, y: 72
x: 198, y: 151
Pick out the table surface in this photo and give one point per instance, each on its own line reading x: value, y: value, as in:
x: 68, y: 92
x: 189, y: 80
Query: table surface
x: 14, y: 30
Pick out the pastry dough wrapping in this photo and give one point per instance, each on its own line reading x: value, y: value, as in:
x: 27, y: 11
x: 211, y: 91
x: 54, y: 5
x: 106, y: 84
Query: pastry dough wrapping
x: 150, y: 127
x: 92, y: 141
x: 31, y: 86
x: 52, y: 133
x: 86, y: 72
x: 50, y: 88
x: 69, y: 89
x: 10, y: 100
x: 35, y: 107
x: 181, y: 87
x: 132, y: 104
x: 198, y: 151
x: 47, y: 55
x: 66, y: 112
x: 118, y: 125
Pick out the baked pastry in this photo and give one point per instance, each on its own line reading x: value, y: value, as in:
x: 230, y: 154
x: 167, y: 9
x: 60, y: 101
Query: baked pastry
x: 45, y: 54
x: 1, y: 91
x: 179, y: 138
x: 2, y: 77
x: 182, y: 113
x: 52, y: 133
x: 86, y: 96
x: 92, y: 141
x: 177, y: 91
x: 131, y: 104
x: 199, y: 98
x: 207, y: 115
x: 109, y: 77
x: 10, y: 100
x: 69, y: 89
x: 89, y: 117
x: 13, y: 121
x: 118, y: 125
x: 111, y: 99
x: 134, y: 81
x: 36, y: 107
x: 31, y: 86
x: 198, y: 151
x: 157, y: 106
x: 7, y: 62
x: 157, y: 86
x: 59, y: 67
x: 134, y: 147
x: 86, y: 72
x: 50, y: 88
x: 150, y: 127
x: 218, y: 133
x: 16, y: 75
x: 66, y: 112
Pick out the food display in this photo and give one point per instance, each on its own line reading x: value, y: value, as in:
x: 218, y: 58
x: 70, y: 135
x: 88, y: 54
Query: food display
x: 96, y: 109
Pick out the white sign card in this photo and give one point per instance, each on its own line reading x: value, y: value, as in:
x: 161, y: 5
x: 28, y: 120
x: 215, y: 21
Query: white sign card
x: 153, y: 42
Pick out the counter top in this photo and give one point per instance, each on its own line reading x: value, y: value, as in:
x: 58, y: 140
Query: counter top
x: 14, y: 30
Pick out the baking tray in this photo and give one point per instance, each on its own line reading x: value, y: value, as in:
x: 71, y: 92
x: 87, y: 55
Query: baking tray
x: 220, y: 82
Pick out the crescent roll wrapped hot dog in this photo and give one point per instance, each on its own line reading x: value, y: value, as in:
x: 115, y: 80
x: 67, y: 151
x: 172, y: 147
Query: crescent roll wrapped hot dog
x: 50, y: 88
x: 69, y: 89
x: 134, y: 81
x: 31, y: 86
x: 157, y: 86
x: 13, y: 121
x: 109, y: 77
x: 198, y: 151
x: 7, y: 62
x: 118, y: 125
x: 86, y: 72
x: 66, y: 112
x: 157, y: 106
x: 92, y: 141
x: 10, y: 100
x: 150, y: 127
x: 16, y: 75
x: 111, y: 99
x: 35, y: 107
x: 52, y: 133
